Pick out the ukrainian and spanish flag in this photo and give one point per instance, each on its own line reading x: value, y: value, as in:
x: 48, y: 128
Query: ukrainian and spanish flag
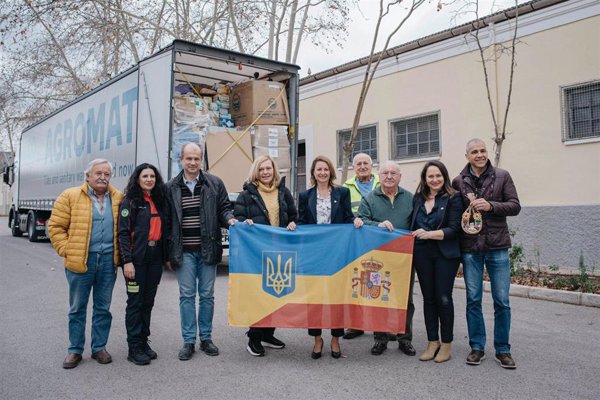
x: 319, y: 276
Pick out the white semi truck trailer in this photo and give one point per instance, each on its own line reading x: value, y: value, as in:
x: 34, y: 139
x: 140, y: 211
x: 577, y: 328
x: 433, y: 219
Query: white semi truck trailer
x: 127, y: 120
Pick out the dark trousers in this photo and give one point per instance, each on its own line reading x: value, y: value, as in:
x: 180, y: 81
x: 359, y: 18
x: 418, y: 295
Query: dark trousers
x: 338, y: 332
x: 258, y: 334
x: 410, y: 312
x: 141, y: 292
x: 436, y: 278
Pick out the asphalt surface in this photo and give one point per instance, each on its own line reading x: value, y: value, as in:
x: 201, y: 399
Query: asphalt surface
x: 556, y: 347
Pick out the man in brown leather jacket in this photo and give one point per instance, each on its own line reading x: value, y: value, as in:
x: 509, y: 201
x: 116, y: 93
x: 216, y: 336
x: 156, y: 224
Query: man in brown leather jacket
x: 491, y: 192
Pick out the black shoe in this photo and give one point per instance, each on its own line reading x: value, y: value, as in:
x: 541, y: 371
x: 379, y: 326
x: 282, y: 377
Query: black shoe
x: 138, y: 356
x: 187, y: 351
x: 209, y: 348
x: 148, y: 350
x: 272, y: 342
x: 506, y: 361
x: 255, y: 348
x: 316, y: 355
x: 352, y: 333
x: 378, y: 348
x: 475, y: 357
x: 406, y: 347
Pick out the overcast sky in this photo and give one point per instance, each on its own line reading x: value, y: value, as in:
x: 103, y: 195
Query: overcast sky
x: 425, y: 21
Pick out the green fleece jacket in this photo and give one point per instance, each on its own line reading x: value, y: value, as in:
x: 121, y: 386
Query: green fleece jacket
x: 376, y: 207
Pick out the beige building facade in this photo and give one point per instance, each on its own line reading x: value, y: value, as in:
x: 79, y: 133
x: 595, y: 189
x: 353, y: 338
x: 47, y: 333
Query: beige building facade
x: 429, y: 98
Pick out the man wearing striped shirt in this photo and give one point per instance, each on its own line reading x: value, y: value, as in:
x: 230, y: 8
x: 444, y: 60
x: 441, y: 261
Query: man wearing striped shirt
x: 199, y: 208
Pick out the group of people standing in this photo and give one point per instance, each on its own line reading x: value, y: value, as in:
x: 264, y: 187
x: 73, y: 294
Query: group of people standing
x: 177, y: 224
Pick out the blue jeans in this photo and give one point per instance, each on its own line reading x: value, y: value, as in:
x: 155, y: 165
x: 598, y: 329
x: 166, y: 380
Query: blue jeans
x: 498, y: 268
x: 100, y: 275
x: 194, y: 275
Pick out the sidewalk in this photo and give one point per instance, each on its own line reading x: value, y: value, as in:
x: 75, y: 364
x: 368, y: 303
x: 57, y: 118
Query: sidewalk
x: 537, y: 293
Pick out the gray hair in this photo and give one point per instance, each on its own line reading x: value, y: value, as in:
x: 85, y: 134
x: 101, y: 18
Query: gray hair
x: 473, y: 141
x: 95, y: 162
x: 389, y: 163
x: 362, y: 155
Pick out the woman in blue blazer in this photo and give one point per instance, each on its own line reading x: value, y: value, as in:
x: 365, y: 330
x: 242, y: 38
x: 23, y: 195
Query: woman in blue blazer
x: 325, y: 203
x: 437, y: 210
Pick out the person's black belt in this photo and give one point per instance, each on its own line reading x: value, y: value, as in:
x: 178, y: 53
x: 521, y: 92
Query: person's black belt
x: 152, y: 243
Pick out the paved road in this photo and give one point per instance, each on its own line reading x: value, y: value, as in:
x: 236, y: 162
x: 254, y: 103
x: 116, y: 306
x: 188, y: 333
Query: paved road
x: 556, y: 346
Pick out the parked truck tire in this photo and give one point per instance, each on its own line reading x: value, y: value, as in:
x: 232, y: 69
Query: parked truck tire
x: 32, y: 232
x: 13, y: 223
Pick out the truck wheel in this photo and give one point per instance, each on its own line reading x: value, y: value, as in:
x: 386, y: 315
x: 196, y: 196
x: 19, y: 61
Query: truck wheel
x: 31, y: 228
x: 14, y: 226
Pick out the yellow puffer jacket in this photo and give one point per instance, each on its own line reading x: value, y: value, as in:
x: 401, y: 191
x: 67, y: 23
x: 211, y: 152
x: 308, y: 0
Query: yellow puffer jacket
x: 70, y: 225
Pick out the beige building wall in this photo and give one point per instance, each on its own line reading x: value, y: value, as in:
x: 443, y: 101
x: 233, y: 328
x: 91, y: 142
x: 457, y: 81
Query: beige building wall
x: 547, y: 171
x: 558, y: 183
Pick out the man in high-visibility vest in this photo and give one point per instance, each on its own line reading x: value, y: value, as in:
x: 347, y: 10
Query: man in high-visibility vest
x: 363, y: 182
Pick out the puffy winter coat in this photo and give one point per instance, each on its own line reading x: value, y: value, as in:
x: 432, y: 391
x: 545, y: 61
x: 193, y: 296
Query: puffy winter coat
x: 498, y: 188
x: 70, y: 225
x: 249, y: 205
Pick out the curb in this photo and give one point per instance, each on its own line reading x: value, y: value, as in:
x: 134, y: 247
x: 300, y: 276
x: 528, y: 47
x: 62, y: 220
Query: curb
x: 537, y: 293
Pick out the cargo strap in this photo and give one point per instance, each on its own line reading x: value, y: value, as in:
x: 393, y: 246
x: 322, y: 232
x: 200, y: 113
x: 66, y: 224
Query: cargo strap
x: 234, y: 140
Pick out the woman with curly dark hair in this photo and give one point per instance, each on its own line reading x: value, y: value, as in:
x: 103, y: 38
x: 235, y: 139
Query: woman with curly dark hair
x: 142, y: 232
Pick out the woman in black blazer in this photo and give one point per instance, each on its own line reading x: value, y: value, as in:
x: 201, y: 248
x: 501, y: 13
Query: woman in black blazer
x: 325, y: 203
x: 265, y: 200
x: 436, y: 217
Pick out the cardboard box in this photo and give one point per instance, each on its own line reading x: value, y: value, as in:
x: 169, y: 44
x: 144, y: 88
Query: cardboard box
x: 281, y: 155
x: 249, y: 99
x: 227, y: 159
x: 270, y: 135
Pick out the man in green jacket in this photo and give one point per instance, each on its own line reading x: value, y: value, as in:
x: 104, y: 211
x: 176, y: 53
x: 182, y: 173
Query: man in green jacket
x: 390, y: 206
x: 362, y: 183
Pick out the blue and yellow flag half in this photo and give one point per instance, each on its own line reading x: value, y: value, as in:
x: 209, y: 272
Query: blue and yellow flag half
x: 319, y: 276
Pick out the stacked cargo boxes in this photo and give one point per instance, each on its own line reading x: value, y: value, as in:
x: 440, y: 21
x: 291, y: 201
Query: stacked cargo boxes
x: 234, y: 123
x: 261, y: 108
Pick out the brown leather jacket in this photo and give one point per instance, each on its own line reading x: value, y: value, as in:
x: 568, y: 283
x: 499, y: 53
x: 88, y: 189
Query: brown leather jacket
x: 497, y: 187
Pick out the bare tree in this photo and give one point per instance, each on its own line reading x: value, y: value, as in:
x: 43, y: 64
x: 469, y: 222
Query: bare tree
x: 489, y: 56
x: 373, y: 61
x: 53, y: 51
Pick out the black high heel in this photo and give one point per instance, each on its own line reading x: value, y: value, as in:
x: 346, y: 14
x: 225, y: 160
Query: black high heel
x: 336, y: 354
x: 314, y: 355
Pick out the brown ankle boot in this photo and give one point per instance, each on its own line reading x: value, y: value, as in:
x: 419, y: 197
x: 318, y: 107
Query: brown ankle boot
x: 444, y: 353
x: 432, y: 349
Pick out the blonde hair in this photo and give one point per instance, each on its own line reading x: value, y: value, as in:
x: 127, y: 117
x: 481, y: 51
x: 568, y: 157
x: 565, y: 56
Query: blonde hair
x: 253, y: 176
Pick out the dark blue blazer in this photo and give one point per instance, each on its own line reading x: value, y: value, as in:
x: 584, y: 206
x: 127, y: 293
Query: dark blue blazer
x: 341, y: 210
x: 450, y: 212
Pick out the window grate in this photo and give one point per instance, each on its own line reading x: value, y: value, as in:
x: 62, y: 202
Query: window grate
x: 416, y: 137
x: 365, y: 142
x: 580, y: 108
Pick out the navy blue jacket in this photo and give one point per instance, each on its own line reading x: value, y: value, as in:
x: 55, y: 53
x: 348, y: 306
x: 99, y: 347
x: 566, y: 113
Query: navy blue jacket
x: 341, y: 209
x: 450, y: 212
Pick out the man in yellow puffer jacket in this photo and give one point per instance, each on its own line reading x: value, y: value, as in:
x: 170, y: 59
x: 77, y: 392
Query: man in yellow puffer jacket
x: 82, y: 230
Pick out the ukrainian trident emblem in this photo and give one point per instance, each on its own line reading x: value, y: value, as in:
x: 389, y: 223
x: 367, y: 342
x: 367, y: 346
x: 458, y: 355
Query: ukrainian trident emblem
x: 279, y: 272
x: 371, y: 283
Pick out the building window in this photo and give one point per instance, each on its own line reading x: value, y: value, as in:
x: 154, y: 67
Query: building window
x: 415, y: 137
x: 365, y: 142
x: 581, y: 111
